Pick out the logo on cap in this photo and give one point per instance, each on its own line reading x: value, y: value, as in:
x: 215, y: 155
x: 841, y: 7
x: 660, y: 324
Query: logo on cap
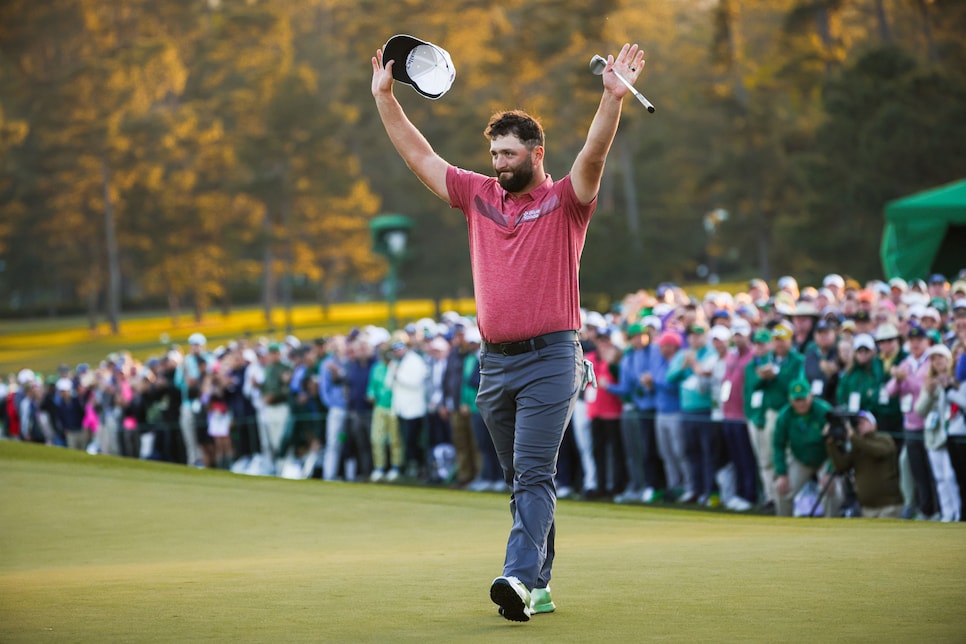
x: 799, y: 389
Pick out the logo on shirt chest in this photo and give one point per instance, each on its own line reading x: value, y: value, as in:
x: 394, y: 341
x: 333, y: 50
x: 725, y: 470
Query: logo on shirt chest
x: 493, y: 213
x: 528, y: 215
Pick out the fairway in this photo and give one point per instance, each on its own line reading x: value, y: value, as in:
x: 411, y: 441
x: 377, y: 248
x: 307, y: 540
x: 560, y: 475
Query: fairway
x: 100, y: 549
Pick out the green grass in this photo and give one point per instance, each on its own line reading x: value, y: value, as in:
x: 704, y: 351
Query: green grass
x: 103, y: 549
x: 44, y: 344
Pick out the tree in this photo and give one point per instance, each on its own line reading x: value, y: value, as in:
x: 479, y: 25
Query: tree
x: 895, y: 126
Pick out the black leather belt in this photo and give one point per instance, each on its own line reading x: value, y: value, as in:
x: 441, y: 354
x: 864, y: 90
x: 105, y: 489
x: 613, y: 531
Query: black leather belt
x: 533, y: 344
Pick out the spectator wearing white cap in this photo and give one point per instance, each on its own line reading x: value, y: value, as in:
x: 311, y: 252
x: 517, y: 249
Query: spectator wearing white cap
x: 187, y: 380
x: 872, y: 457
x: 438, y: 426
x: 33, y: 428
x: 906, y: 383
x: 859, y: 386
x: 897, y: 288
x: 69, y: 415
x: 804, y: 317
x: 835, y: 283
x: 957, y: 292
x: 936, y: 399
x: 888, y: 411
x: 408, y: 377
x: 789, y: 284
x: 579, y: 427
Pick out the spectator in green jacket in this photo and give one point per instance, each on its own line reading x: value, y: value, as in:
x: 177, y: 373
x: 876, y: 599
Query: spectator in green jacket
x: 767, y: 380
x: 275, y: 411
x: 799, y: 446
x: 490, y: 476
x: 860, y: 384
x: 384, y: 431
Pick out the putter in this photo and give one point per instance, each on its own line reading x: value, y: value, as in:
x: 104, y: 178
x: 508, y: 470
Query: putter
x: 597, y: 66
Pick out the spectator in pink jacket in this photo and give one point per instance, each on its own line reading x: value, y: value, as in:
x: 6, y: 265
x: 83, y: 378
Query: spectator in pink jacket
x: 604, y: 411
x: 906, y: 382
x: 738, y: 449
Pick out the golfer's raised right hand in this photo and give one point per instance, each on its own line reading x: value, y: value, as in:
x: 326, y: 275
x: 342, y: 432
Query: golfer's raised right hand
x: 381, y: 76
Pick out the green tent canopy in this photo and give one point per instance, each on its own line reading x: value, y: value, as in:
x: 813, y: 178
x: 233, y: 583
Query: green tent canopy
x: 926, y: 233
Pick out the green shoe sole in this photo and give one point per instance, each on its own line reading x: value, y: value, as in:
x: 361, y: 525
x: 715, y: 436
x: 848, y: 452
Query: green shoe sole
x: 540, y: 601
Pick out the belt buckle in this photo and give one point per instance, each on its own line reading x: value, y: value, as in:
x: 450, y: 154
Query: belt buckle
x: 505, y: 349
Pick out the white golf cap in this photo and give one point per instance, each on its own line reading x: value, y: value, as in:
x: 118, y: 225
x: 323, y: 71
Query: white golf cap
x: 719, y: 332
x: 64, y: 384
x: 932, y: 312
x: 939, y: 350
x: 898, y: 283
x: 834, y: 279
x: 864, y: 341
x: 886, y: 331
x: 379, y: 335
x: 197, y: 339
x: 595, y: 320
x: 869, y: 416
x: 741, y: 326
x: 787, y: 281
x: 473, y: 336
x: 653, y: 322
x: 425, y: 66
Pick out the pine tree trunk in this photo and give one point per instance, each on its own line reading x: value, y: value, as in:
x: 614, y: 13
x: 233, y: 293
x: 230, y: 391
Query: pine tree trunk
x: 113, y: 254
x: 268, y: 271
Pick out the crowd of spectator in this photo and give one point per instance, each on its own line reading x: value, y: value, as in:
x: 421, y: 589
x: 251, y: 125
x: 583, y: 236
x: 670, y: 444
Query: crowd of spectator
x: 837, y: 400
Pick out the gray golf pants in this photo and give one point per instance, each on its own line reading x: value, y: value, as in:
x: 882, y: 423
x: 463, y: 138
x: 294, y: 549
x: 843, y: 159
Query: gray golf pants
x: 526, y: 402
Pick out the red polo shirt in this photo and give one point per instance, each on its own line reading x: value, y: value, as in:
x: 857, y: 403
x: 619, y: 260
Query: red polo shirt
x: 524, y: 252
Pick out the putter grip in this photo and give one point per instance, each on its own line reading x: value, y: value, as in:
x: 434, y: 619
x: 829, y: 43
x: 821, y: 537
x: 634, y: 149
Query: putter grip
x: 644, y: 101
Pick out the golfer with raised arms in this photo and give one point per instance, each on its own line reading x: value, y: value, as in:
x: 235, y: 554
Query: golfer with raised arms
x: 526, y: 235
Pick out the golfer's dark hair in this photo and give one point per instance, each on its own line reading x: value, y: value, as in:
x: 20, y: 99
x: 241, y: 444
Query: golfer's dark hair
x: 519, y: 124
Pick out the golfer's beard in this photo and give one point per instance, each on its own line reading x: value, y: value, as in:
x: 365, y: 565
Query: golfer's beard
x: 519, y: 178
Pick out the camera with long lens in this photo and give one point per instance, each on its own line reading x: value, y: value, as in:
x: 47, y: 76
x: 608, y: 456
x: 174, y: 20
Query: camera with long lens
x: 838, y: 421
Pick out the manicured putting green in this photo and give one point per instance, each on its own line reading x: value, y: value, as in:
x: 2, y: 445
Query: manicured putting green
x: 101, y: 549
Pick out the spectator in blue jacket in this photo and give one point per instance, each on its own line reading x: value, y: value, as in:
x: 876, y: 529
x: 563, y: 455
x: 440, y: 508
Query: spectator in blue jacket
x: 668, y: 427
x: 361, y: 357
x: 637, y: 422
x: 333, y: 383
x: 69, y: 414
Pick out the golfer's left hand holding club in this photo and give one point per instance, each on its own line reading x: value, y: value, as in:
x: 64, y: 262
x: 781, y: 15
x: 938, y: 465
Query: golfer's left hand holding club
x: 619, y: 74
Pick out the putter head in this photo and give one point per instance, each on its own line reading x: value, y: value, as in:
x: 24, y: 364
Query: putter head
x: 597, y: 65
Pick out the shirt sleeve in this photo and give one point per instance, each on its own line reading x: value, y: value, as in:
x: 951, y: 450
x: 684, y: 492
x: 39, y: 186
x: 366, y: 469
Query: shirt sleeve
x: 461, y: 185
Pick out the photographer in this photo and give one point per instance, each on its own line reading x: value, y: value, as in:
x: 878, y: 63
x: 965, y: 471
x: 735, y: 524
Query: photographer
x: 872, y: 457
